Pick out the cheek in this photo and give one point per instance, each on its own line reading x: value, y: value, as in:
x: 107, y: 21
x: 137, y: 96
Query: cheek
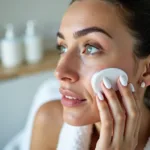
x: 119, y: 60
x: 86, y: 76
x: 128, y: 65
x: 87, y: 72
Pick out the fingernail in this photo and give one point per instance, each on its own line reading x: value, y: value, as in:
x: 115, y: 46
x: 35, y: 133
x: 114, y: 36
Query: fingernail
x: 107, y: 83
x: 143, y: 85
x: 100, y: 96
x: 123, y: 80
x: 132, y: 87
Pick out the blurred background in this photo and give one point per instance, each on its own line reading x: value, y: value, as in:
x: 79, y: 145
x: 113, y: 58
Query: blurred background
x: 20, y: 80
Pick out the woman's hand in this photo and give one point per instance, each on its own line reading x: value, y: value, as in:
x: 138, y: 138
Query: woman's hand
x: 120, y: 117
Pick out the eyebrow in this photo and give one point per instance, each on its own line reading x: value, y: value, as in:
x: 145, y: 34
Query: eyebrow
x: 84, y: 32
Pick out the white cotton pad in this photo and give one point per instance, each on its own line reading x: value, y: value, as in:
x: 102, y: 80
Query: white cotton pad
x: 111, y: 73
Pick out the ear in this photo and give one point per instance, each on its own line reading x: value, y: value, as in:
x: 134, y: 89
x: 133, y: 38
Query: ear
x: 146, y: 73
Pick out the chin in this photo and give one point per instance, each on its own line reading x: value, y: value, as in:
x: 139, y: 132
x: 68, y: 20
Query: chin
x: 79, y: 120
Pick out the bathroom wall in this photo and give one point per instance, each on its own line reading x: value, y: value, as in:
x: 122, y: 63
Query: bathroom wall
x: 15, y: 95
x: 48, y: 14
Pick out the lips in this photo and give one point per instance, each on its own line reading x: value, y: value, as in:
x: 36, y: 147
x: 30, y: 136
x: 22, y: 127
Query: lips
x: 69, y: 93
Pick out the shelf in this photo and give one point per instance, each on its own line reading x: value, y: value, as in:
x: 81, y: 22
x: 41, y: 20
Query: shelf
x: 48, y: 63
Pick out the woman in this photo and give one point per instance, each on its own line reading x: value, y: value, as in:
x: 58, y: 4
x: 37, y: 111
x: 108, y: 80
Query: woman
x: 94, y: 35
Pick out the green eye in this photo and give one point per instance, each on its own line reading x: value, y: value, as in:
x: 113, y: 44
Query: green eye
x: 91, y: 49
x: 62, y: 49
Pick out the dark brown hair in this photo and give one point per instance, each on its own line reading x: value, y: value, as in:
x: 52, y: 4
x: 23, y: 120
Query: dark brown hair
x: 137, y: 18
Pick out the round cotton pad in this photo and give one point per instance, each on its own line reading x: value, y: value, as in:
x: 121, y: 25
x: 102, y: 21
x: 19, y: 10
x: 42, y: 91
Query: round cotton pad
x: 111, y: 73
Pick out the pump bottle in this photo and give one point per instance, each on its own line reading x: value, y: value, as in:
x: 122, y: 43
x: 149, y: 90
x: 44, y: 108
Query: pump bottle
x: 11, y: 49
x: 33, y: 44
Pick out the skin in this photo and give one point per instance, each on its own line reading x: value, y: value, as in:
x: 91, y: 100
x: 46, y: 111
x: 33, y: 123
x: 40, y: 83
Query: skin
x: 77, y: 65
x: 115, y: 50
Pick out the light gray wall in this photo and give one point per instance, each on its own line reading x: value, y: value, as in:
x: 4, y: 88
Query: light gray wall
x: 48, y: 14
x: 15, y: 96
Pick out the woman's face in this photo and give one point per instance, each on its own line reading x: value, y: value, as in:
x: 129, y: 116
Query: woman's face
x: 91, y: 37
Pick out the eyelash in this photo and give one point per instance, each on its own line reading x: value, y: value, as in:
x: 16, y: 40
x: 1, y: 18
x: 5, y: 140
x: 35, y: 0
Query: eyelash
x: 95, y: 45
x: 58, y: 47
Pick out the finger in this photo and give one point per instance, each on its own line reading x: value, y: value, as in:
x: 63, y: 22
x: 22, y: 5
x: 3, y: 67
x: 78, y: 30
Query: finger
x: 117, y: 112
x: 130, y: 107
x: 106, y: 123
x: 138, y: 123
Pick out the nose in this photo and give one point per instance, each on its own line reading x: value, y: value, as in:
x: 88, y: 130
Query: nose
x: 67, y: 69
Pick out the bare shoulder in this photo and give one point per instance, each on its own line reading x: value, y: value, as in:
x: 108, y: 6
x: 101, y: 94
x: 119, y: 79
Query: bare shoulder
x: 47, y: 124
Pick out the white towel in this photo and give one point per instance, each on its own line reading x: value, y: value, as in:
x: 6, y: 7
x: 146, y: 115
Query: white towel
x: 71, y: 137
x: 48, y: 91
x: 74, y: 138
x: 147, y: 147
x: 78, y: 138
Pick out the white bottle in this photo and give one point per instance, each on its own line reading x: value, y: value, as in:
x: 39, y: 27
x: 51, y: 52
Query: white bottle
x: 34, y: 48
x: 11, y: 49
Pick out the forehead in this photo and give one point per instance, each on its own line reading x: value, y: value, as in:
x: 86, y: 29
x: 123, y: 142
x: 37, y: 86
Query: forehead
x: 92, y: 13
